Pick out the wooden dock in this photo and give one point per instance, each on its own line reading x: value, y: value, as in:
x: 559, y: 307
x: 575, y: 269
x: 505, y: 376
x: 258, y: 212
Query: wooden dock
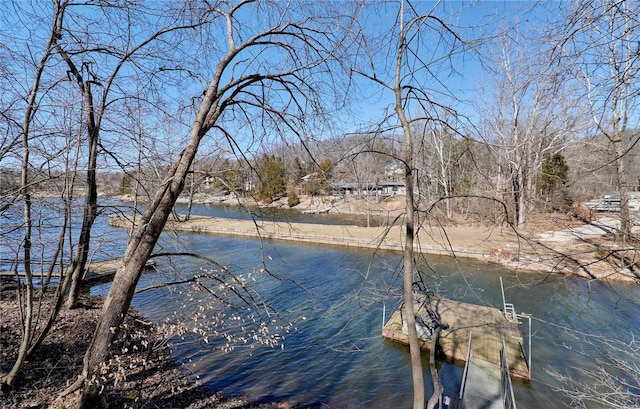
x: 95, y: 272
x: 488, y: 326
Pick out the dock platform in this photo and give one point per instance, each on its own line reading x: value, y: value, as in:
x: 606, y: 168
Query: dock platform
x: 488, y: 325
x: 95, y: 272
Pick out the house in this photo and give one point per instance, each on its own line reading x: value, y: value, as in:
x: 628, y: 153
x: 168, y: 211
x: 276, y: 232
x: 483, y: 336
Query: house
x: 348, y: 189
x: 392, y: 188
x: 379, y: 189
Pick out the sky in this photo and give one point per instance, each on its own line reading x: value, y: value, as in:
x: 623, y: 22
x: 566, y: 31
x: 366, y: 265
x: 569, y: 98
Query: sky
x: 473, y: 21
x: 457, y: 84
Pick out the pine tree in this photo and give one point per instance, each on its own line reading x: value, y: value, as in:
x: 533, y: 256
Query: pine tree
x: 554, y: 174
x: 271, y: 173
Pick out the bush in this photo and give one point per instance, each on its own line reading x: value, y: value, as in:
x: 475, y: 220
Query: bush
x: 293, y: 199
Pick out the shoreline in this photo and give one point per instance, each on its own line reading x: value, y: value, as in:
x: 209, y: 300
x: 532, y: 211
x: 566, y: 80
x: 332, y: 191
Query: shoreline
x: 141, y: 371
x: 378, y: 238
x: 498, y: 245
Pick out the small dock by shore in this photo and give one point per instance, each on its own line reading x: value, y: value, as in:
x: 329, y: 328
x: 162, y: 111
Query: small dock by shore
x: 488, y: 326
x: 97, y: 271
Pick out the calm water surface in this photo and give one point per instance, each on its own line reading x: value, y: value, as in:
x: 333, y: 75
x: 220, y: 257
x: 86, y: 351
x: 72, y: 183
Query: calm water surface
x: 284, y: 214
x: 333, y: 354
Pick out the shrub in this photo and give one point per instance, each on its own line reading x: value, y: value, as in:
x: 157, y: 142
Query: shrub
x: 293, y: 199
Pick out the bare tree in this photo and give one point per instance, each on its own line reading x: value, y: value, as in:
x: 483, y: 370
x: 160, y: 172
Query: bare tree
x: 616, y: 381
x: 599, y: 43
x: 48, y: 129
x: 276, y: 68
x: 437, y: 158
x: 412, y: 30
x: 530, y: 117
x: 80, y: 59
x: 25, y: 194
x: 50, y: 166
x: 91, y: 200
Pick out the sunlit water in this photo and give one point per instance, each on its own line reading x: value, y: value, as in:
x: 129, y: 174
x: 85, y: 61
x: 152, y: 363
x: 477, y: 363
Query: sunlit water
x: 333, y: 354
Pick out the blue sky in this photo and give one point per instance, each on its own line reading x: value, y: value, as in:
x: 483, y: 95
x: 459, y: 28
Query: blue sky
x: 475, y: 22
x: 471, y: 20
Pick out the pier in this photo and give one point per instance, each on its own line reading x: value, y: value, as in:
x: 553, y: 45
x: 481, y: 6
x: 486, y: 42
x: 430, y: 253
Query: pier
x: 489, y: 327
x: 95, y: 272
x: 485, y: 385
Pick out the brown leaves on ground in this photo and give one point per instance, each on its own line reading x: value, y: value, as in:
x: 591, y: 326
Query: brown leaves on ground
x: 140, y: 373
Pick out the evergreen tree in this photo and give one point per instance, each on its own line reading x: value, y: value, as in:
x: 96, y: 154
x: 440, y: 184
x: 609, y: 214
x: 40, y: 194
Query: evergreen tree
x: 126, y: 184
x: 271, y: 173
x: 554, y: 174
x: 553, y: 180
x: 293, y: 199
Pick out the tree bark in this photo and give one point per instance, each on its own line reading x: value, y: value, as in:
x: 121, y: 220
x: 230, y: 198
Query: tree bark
x: 144, y: 238
x: 408, y: 264
x: 437, y: 386
x: 90, y: 210
x: 27, y: 314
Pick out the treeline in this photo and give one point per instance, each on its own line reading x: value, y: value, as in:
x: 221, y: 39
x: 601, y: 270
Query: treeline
x: 576, y: 173
x: 459, y: 167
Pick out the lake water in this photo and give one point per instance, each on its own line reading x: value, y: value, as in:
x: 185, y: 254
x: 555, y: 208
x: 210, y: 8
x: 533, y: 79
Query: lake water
x: 328, y: 310
x: 285, y: 214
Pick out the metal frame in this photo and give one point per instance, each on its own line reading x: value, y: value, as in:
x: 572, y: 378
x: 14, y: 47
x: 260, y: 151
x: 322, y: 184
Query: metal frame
x: 463, y: 384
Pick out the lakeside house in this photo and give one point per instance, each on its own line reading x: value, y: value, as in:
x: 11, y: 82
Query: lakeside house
x: 379, y: 189
x: 315, y: 184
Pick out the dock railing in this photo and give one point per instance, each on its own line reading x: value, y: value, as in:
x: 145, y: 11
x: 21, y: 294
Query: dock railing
x: 507, y: 308
x: 508, y: 399
x: 463, y: 384
x: 528, y: 352
x: 510, y: 315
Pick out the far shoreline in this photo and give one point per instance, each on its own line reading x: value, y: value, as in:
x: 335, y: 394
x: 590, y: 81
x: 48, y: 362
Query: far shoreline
x: 497, y: 245
x: 526, y: 250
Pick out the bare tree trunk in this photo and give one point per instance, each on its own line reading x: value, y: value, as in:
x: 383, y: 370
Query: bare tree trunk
x: 437, y: 386
x: 187, y: 215
x: 623, y: 191
x: 60, y: 288
x: 91, y: 199
x: 27, y: 305
x: 407, y: 282
x: 90, y: 207
x: 409, y: 312
x: 408, y: 264
x: 27, y: 313
x: 619, y: 111
x: 522, y: 198
x: 140, y: 246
